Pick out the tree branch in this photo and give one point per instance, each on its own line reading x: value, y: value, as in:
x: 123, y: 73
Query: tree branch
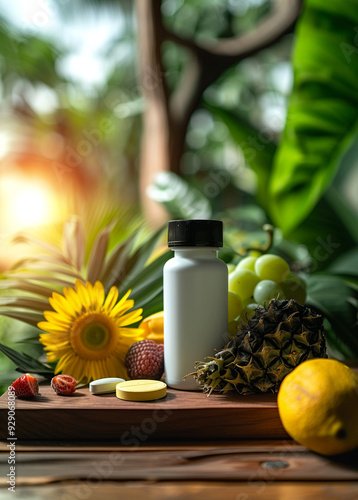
x: 154, y: 154
x: 210, y: 60
x: 280, y: 20
x: 166, y: 118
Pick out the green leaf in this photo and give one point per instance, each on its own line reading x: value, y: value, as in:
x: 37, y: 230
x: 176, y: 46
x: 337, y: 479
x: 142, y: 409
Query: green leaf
x: 331, y: 296
x: 258, y: 149
x: 139, y: 279
x: 136, y: 263
x: 323, y: 111
x: 346, y: 264
x: 114, y: 268
x: 150, y: 299
x: 181, y: 199
x: 26, y: 363
x: 327, y: 232
x: 147, y: 284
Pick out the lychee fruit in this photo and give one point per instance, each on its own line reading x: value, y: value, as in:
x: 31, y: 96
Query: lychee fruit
x: 145, y: 360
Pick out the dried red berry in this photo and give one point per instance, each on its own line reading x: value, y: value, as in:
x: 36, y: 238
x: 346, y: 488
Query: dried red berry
x: 63, y: 384
x: 26, y: 386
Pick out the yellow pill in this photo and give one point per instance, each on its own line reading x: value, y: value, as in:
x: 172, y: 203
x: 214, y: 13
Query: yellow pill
x: 141, y: 390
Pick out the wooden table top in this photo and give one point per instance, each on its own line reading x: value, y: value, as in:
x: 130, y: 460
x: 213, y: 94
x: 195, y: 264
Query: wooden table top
x: 169, y: 467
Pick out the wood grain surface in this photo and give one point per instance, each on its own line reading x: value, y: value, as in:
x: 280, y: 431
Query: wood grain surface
x: 215, y: 464
x: 192, y: 491
x: 181, y: 415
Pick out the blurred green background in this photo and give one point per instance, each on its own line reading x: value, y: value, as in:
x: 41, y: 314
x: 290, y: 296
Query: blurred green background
x: 273, y: 138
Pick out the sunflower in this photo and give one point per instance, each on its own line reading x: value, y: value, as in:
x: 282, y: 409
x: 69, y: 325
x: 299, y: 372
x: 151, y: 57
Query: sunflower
x: 87, y: 333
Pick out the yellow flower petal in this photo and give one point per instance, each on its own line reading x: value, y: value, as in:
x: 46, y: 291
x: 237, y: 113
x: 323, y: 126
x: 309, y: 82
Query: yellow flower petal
x: 53, y: 317
x: 98, y: 295
x: 72, y: 297
x: 130, y: 318
x: 62, y: 306
x: 50, y: 327
x: 65, y: 362
x: 132, y: 333
x: 111, y: 299
x: 121, y: 308
x: 83, y: 295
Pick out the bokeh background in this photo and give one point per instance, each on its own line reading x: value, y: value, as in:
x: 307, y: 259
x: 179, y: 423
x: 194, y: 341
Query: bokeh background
x: 77, y: 81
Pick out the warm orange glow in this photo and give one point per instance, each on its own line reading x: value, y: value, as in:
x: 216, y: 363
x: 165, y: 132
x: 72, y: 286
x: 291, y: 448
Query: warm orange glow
x: 25, y: 203
x: 31, y: 206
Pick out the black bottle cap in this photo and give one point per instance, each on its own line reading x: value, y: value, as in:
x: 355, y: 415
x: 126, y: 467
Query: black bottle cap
x: 195, y: 233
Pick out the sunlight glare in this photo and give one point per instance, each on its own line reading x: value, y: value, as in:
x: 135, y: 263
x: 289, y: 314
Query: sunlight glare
x: 31, y: 206
x: 26, y: 203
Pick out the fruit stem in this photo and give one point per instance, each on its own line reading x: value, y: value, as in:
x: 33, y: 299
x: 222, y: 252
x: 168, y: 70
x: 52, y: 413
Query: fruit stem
x: 269, y: 228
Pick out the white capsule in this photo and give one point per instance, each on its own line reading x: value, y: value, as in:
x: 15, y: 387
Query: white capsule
x: 104, y: 385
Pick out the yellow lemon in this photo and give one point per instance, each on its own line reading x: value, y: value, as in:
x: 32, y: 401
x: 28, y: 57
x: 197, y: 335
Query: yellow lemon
x: 318, y: 406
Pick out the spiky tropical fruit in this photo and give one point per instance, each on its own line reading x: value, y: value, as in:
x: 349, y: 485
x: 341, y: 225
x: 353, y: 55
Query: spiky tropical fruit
x: 274, y: 341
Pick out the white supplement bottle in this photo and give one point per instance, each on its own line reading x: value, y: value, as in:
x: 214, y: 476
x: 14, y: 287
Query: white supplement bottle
x: 195, y: 298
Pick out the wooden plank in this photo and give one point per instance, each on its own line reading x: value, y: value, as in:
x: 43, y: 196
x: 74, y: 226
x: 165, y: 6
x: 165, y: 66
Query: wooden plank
x: 181, y: 415
x: 191, y: 491
x: 202, y: 465
x: 237, y: 446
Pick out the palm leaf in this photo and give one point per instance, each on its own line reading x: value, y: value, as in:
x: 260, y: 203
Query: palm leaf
x: 74, y: 243
x: 147, y: 285
x: 98, y: 254
x: 138, y: 260
x: 43, y: 278
x: 26, y: 286
x: 30, y: 317
x: 51, y: 271
x: 25, y: 363
x: 113, y: 268
x: 46, y: 247
x: 31, y: 303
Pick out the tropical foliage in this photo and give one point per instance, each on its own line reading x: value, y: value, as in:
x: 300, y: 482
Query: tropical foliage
x: 32, y: 282
x: 237, y: 166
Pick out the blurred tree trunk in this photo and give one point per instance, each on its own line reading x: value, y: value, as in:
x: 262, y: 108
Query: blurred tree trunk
x: 166, y: 116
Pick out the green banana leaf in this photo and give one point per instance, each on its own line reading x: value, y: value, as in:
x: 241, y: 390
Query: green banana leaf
x: 329, y: 230
x: 323, y: 110
x: 335, y: 298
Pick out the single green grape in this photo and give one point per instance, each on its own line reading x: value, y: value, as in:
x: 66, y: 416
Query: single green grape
x: 267, y: 290
x: 231, y: 268
x: 247, y: 263
x: 235, y: 306
x: 294, y: 287
x: 272, y: 267
x: 243, y: 282
x: 248, y: 301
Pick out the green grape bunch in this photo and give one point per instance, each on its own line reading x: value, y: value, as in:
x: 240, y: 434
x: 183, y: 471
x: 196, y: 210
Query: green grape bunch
x: 257, y: 280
